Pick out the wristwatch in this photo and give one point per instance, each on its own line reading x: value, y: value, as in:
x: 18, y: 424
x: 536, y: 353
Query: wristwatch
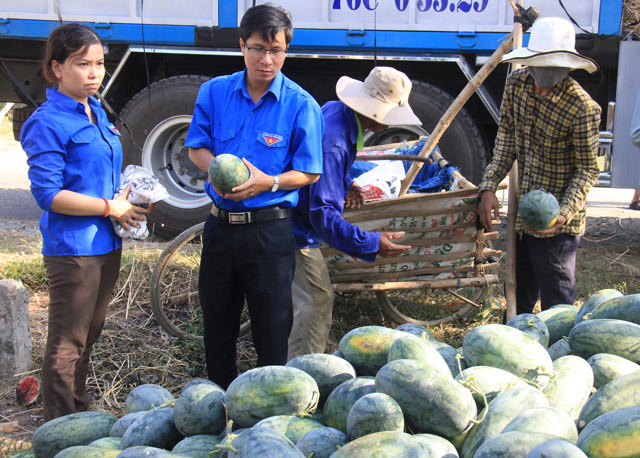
x: 276, y: 183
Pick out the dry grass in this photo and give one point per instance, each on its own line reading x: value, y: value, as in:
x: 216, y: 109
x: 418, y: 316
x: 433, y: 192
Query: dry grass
x: 631, y: 18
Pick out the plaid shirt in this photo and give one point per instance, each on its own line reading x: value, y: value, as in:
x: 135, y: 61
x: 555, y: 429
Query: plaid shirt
x: 555, y: 140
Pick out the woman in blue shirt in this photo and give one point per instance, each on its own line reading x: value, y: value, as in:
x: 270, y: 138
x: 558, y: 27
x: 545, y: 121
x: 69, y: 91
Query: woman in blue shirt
x: 74, y: 158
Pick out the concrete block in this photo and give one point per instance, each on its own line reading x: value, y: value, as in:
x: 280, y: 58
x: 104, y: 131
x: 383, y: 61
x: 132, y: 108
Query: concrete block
x: 15, y: 339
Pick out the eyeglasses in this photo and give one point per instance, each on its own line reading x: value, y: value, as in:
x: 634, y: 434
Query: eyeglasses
x: 261, y: 52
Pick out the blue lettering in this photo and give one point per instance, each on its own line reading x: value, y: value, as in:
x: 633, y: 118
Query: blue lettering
x: 402, y: 4
x: 480, y: 7
x: 336, y: 4
x: 367, y: 5
x: 440, y: 5
x: 464, y: 6
x: 353, y: 4
x: 424, y: 5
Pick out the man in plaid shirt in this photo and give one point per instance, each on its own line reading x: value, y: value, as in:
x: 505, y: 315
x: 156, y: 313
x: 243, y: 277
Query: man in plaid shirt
x: 551, y: 126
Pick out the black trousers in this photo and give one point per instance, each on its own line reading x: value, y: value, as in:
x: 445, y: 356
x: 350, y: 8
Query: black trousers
x: 256, y: 261
x: 545, y: 268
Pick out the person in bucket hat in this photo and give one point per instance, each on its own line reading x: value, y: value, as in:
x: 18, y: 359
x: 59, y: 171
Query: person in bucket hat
x: 550, y: 124
x: 380, y: 100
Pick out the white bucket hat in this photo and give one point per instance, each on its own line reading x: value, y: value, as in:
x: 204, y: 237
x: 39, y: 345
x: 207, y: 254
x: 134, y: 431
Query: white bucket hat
x: 383, y: 96
x: 552, y: 44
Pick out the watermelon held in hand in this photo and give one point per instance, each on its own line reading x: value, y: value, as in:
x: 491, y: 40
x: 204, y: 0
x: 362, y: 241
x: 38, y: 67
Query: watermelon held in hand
x: 539, y: 210
x: 28, y: 390
x: 227, y: 171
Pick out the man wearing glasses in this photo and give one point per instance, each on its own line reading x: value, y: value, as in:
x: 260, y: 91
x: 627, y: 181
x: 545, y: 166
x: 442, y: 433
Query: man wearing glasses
x: 248, y: 249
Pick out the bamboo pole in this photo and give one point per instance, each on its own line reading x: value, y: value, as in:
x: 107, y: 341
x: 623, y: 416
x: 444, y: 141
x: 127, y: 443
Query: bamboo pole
x: 455, y: 107
x: 512, y: 212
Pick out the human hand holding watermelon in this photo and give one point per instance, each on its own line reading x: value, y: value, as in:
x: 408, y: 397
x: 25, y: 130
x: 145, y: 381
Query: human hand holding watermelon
x: 227, y: 172
x: 540, y: 212
x: 488, y: 203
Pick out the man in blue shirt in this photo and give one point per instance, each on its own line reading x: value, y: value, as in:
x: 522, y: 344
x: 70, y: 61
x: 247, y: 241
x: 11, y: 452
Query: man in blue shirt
x: 379, y: 101
x: 248, y: 245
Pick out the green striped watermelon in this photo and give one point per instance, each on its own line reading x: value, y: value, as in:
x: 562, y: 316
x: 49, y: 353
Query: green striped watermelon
x: 146, y: 397
x: 594, y: 301
x: 531, y: 325
x: 571, y: 386
x: 328, y: 371
x: 546, y: 420
x: 339, y: 403
x: 613, y: 434
x: 412, y: 347
x: 385, y: 444
x: 559, y: 321
x: 198, y: 446
x: 607, y: 367
x: 322, y: 442
x: 617, y: 337
x: 154, y: 429
x: 262, y: 442
x: 514, y: 444
x: 227, y: 171
x: 367, y: 347
x: 556, y: 448
x: 538, y: 209
x: 85, y: 451
x: 373, y: 413
x: 559, y: 349
x: 491, y: 381
x: 200, y: 410
x: 625, y: 308
x: 436, y: 446
x: 292, y: 427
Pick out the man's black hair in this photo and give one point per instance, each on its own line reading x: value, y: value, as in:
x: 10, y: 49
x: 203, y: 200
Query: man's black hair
x: 268, y: 20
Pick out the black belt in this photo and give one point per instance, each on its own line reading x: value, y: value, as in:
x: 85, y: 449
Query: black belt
x: 254, y: 216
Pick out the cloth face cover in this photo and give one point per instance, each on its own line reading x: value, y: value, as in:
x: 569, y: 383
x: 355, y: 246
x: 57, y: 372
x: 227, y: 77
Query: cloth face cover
x: 547, y: 77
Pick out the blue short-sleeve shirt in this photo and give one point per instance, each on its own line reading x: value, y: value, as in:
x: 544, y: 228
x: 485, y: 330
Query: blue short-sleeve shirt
x: 67, y: 152
x: 282, y: 132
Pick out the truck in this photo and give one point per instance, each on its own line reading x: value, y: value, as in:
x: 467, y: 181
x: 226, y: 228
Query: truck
x: 160, y: 52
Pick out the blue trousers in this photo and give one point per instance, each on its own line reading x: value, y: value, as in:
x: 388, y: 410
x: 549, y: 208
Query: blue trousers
x: 256, y: 261
x: 545, y: 268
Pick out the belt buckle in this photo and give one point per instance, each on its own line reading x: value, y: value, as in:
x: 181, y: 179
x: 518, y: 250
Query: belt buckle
x: 239, y: 217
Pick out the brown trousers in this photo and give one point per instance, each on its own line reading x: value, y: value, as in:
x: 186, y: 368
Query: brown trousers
x: 80, y: 289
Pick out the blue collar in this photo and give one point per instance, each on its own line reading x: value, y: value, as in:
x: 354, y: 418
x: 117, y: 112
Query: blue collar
x: 275, y: 88
x: 67, y: 103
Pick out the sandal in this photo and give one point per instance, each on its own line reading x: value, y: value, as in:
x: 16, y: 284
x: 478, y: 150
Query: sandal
x: 635, y: 205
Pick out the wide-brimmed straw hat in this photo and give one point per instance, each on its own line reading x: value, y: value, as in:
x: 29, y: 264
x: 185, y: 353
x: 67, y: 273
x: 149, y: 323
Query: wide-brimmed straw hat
x: 552, y: 44
x: 383, y: 96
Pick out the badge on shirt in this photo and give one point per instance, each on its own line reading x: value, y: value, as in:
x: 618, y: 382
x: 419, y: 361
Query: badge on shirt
x: 271, y: 139
x: 113, y: 129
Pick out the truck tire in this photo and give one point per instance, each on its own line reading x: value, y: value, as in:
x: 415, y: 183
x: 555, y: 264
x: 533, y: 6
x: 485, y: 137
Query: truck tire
x: 461, y: 144
x: 20, y: 114
x: 154, y: 125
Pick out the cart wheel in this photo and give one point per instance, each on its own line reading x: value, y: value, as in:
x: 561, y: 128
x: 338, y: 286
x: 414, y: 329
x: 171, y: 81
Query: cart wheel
x: 428, y: 307
x: 174, y: 288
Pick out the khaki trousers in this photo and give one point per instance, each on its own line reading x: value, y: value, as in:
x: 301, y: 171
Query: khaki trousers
x: 312, y: 304
x: 80, y: 289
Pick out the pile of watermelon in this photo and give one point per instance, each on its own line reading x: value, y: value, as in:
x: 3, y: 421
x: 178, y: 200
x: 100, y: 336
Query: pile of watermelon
x: 562, y: 383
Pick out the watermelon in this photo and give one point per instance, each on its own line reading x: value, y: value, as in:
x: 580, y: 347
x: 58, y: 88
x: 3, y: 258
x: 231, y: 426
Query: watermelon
x: 322, y: 442
x: 339, y: 403
x: 120, y: 426
x: 198, y: 381
x: 28, y: 390
x: 85, y: 451
x: 613, y: 434
x: 140, y: 450
x: 412, y: 347
x: 24, y: 455
x: 146, y: 397
x: 367, y: 347
x: 556, y: 448
x: 112, y: 443
x: 292, y: 427
x: 510, y: 349
x: 617, y: 337
x: 546, y: 420
x: 608, y: 367
x: 504, y: 408
x: 452, y: 356
x: 385, y: 444
x: 327, y: 370
x: 514, y: 444
x: 197, y: 446
x: 559, y: 321
x: 200, y: 410
x: 270, y: 390
x: 559, y: 349
x: 491, y: 381
x: 625, y: 308
x: 154, y: 429
x: 571, y: 386
x: 261, y: 442
x: 538, y: 209
x: 227, y: 171
x: 373, y: 413
x: 431, y: 402
x: 531, y: 325
x: 78, y: 428
x: 594, y: 301
x: 416, y: 329
x: 622, y: 392
x: 436, y: 446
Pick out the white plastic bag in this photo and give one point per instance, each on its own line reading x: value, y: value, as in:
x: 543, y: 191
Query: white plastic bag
x: 383, y: 181
x: 146, y: 189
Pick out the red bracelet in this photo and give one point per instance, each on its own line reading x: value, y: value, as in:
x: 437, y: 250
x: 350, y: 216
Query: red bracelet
x: 108, y: 210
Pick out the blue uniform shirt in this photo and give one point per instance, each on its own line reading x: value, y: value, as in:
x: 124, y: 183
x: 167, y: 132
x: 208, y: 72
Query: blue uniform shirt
x: 318, y: 216
x: 67, y: 152
x: 282, y: 132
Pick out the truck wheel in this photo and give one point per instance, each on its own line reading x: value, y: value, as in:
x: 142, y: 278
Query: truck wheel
x: 154, y: 127
x: 461, y: 144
